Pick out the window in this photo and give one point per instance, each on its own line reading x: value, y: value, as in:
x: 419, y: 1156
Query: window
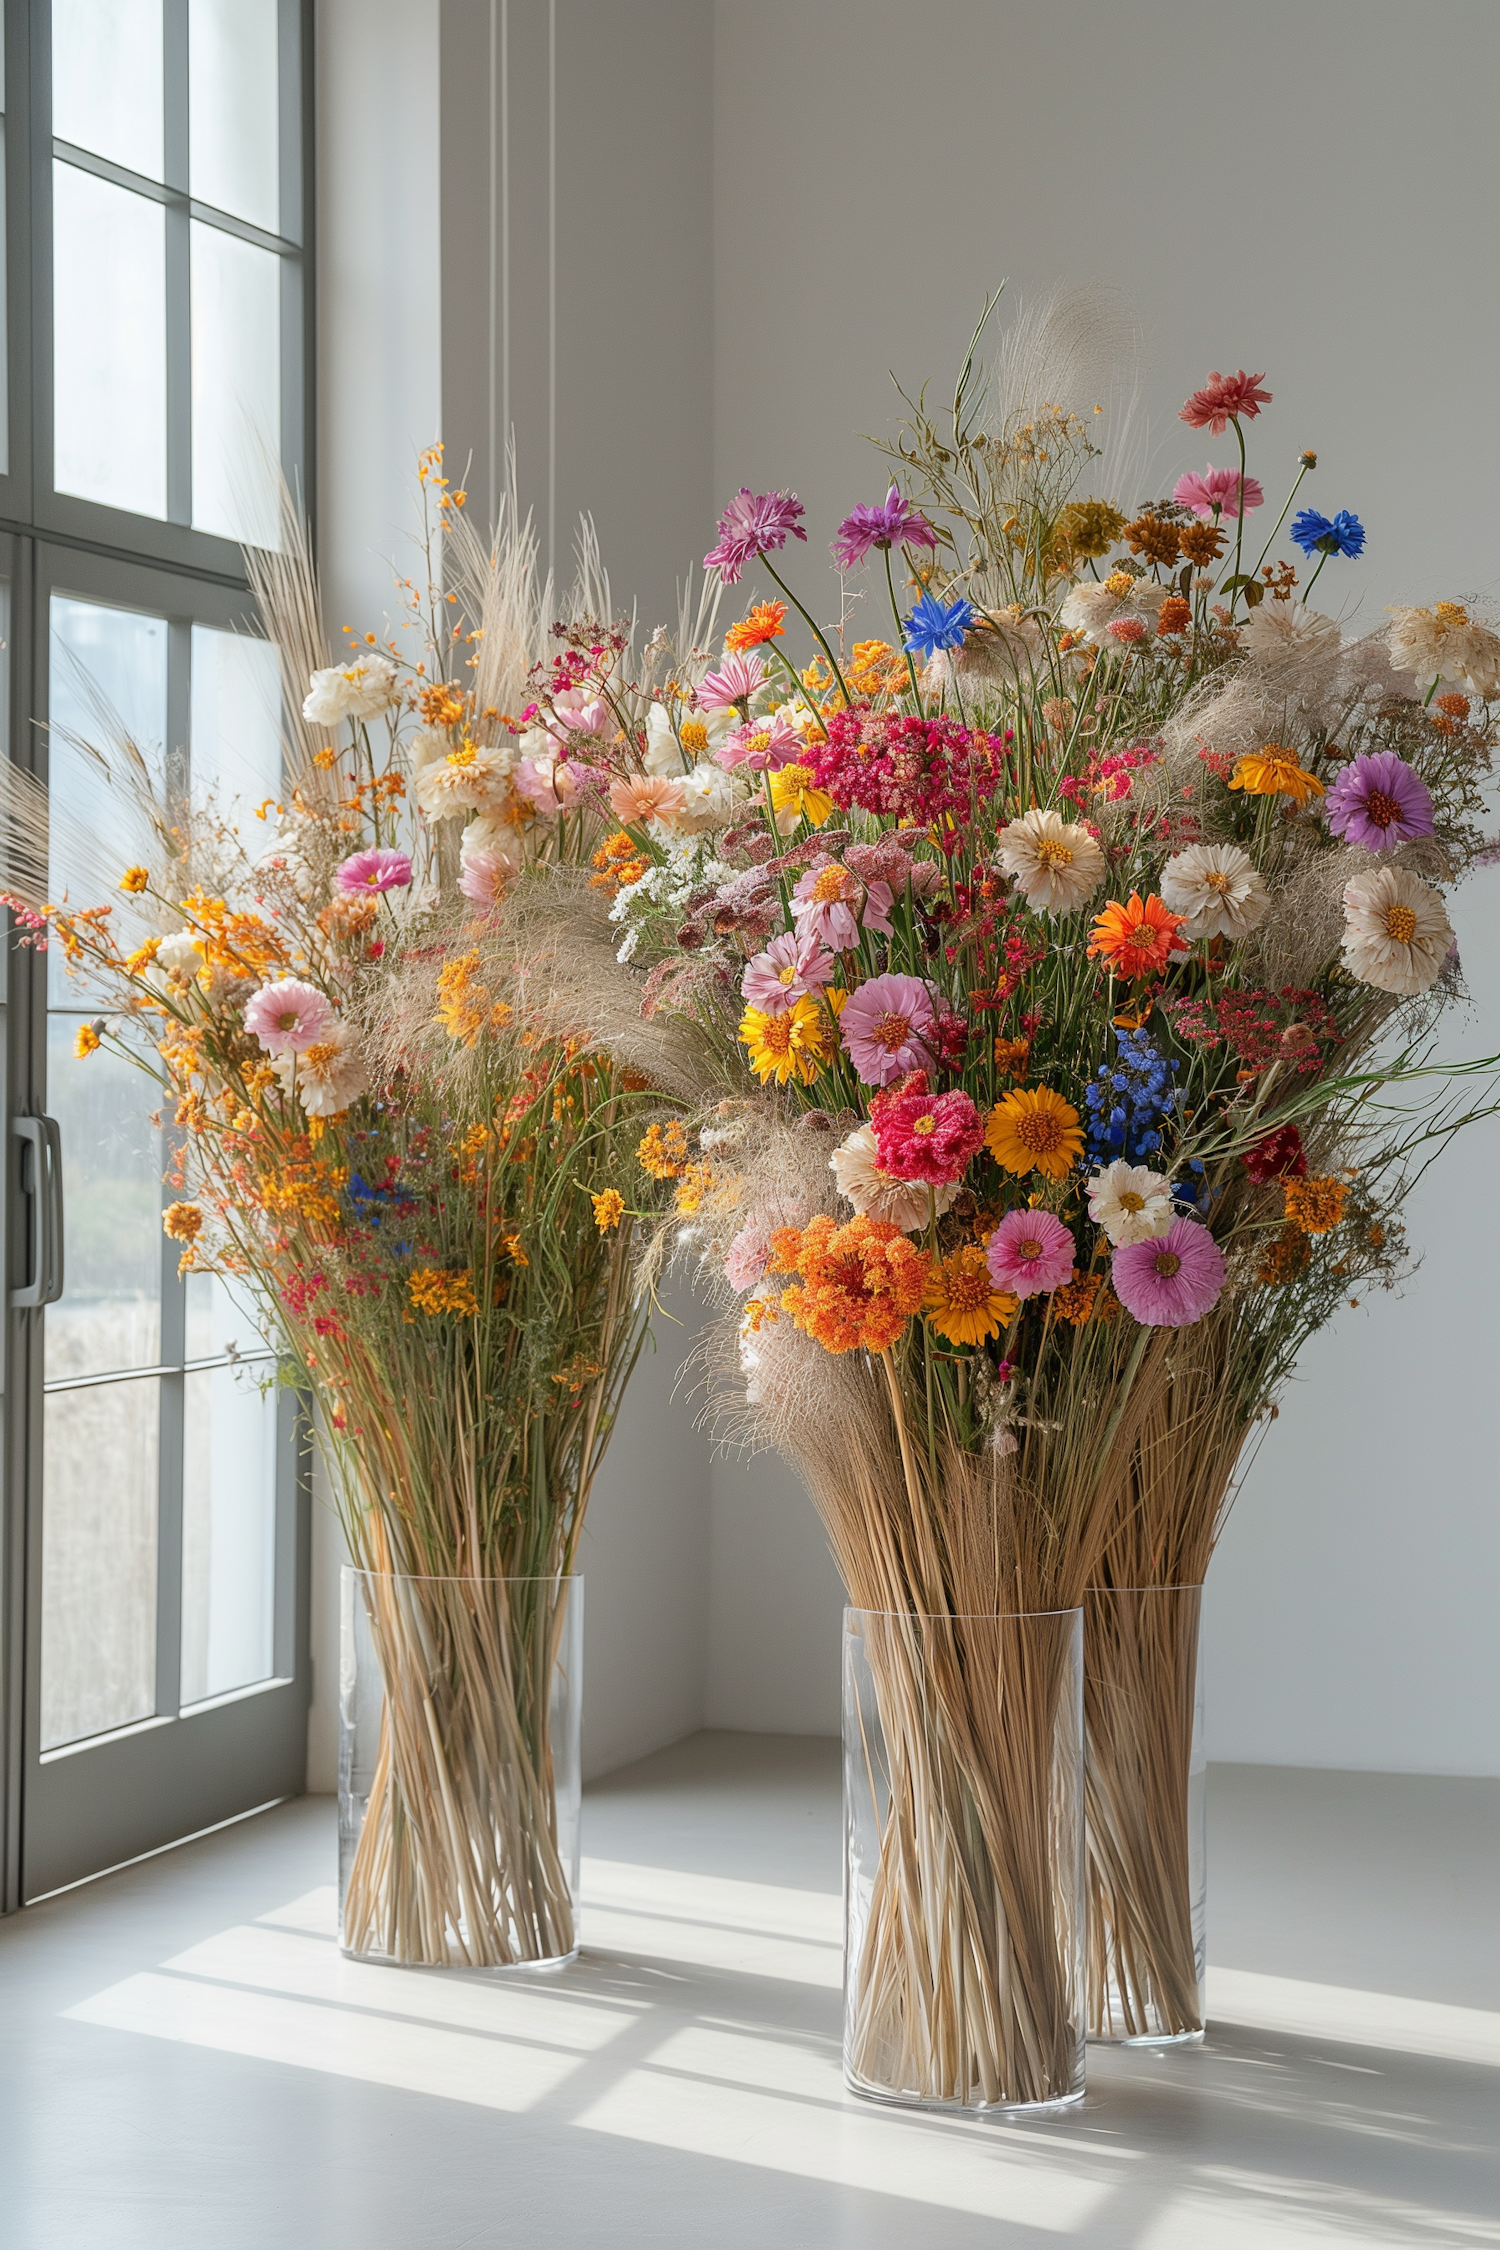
x: 154, y: 157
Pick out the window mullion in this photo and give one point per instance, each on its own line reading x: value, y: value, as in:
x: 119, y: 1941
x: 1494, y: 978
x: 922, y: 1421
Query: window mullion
x: 179, y: 266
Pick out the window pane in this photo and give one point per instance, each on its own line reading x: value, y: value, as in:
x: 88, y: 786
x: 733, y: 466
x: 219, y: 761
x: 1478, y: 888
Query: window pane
x: 236, y: 386
x: 232, y: 97
x: 107, y: 79
x: 99, y: 1560
x: 109, y: 1314
x: 222, y: 1316
x: 228, y: 1531
x: 110, y: 342
x: 236, y: 729
x: 4, y: 332
x: 108, y: 667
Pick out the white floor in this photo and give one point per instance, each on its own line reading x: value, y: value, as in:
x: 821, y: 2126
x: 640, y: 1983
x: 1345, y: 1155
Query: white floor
x: 187, y: 2063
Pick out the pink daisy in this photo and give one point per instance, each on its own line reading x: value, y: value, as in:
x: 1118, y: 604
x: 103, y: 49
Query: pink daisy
x: 1172, y: 1281
x: 832, y: 903
x: 645, y: 796
x: 924, y: 1136
x: 762, y: 745
x: 1029, y: 1252
x: 1216, y: 488
x: 484, y: 875
x: 884, y: 1027
x: 289, y: 1016
x: 375, y: 870
x: 790, y: 967
x: 736, y: 681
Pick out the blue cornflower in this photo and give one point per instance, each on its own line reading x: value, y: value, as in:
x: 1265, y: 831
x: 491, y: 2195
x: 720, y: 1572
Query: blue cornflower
x: 1342, y: 534
x: 932, y: 626
x: 1129, y: 1127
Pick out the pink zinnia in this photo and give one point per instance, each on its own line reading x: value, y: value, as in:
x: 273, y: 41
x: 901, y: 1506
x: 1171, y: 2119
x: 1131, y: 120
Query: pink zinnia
x: 884, y: 1027
x: 748, y: 1255
x: 790, y: 967
x: 1029, y: 1252
x: 922, y: 1136
x: 832, y: 903
x: 754, y: 523
x: 1224, y: 399
x: 1217, y: 488
x: 374, y: 870
x: 645, y: 796
x: 736, y: 681
x: 289, y: 1016
x: 761, y: 745
x: 1126, y: 629
x: 1173, y: 1280
x: 484, y: 876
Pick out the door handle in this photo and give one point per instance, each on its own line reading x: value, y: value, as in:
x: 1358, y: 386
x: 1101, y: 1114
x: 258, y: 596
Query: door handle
x: 40, y: 1140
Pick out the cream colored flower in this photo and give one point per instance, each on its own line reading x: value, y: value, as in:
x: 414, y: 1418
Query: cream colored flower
x: 701, y: 732
x: 905, y: 1203
x: 180, y: 954
x: 361, y: 689
x: 1396, y: 931
x: 467, y: 779
x: 1218, y: 887
x: 1131, y: 1203
x: 709, y: 798
x: 327, y: 1076
x: 1280, y: 629
x: 1056, y: 863
x: 1445, y: 642
x: 489, y: 834
x: 1093, y: 606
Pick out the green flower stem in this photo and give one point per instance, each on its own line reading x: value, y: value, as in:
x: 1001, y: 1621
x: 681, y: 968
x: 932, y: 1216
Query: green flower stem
x: 808, y: 620
x: 1281, y: 519
x: 911, y: 668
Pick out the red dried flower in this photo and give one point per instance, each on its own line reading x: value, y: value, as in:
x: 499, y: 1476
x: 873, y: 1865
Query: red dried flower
x: 1278, y: 1156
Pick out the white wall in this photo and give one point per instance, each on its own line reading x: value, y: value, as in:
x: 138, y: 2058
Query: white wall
x: 1304, y: 188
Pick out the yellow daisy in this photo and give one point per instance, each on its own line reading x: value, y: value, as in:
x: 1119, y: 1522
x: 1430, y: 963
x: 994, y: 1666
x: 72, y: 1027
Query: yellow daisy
x: 1275, y: 771
x: 795, y: 1044
x: 1032, y: 1129
x: 792, y: 792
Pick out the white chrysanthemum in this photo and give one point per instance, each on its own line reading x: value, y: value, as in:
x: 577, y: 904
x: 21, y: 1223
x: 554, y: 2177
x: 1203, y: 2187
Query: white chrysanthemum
x: 361, y: 689
x: 427, y: 745
x: 1093, y: 605
x: 327, y: 1076
x: 180, y: 954
x: 487, y: 832
x: 1277, y: 629
x: 709, y: 798
x: 466, y: 780
x: 1056, y: 863
x: 1218, y: 887
x: 1445, y: 642
x: 701, y: 731
x: 1396, y: 931
x: 905, y: 1203
x: 1131, y: 1203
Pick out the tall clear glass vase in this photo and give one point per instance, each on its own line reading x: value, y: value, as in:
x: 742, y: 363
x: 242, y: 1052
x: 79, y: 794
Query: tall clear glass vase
x: 1146, y: 1813
x: 460, y: 1708
x: 963, y: 1824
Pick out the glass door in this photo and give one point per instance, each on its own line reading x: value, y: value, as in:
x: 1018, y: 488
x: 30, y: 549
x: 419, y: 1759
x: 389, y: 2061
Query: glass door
x: 166, y: 1512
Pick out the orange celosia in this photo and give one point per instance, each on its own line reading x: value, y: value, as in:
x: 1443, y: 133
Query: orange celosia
x: 663, y: 1151
x: 766, y: 622
x: 183, y: 1222
x: 433, y: 1290
x: 618, y: 861
x: 1314, y: 1206
x: 875, y: 668
x: 694, y: 1185
x: 858, y: 1284
x: 442, y: 705
x: 609, y: 1209
x: 1138, y: 939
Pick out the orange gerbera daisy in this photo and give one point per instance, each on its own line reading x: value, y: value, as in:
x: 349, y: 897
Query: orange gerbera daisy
x: 961, y: 1302
x: 1032, y: 1129
x: 1139, y: 938
x: 766, y: 622
x: 1275, y: 771
x: 857, y: 1285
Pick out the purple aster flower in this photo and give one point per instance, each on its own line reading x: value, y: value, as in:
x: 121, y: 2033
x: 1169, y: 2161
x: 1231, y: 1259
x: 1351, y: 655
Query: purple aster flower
x: 375, y: 870
x: 1379, y: 802
x: 754, y: 523
x: 1172, y: 1280
x: 789, y: 968
x: 884, y: 1027
x: 895, y: 523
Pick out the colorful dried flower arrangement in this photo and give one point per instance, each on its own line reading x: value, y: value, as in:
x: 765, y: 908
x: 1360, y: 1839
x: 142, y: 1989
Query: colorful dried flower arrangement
x: 432, y: 1195
x: 1071, y: 934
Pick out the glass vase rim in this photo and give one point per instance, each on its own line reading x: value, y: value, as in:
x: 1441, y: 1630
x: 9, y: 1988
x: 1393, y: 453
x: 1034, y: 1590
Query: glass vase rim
x: 1162, y: 1586
x: 965, y: 1616
x: 469, y: 1578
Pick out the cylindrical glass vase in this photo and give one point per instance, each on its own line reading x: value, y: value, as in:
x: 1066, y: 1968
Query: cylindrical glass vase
x: 1147, y: 1813
x: 460, y: 1705
x: 963, y: 1871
